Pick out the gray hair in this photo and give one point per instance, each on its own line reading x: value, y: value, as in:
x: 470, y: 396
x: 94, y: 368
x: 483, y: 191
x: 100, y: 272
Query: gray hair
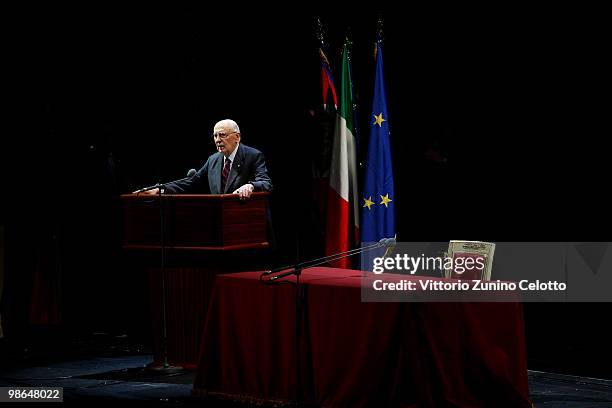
x: 229, y: 124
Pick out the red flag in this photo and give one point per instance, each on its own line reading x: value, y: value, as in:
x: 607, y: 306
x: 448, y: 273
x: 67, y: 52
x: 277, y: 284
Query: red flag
x: 342, y: 226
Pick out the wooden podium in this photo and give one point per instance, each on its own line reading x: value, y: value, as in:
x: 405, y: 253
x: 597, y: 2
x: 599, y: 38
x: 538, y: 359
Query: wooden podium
x: 203, y: 235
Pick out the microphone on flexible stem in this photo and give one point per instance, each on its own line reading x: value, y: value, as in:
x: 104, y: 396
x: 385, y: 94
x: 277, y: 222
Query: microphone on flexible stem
x: 290, y: 270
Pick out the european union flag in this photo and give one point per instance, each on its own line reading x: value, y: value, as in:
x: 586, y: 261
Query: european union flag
x: 378, y: 212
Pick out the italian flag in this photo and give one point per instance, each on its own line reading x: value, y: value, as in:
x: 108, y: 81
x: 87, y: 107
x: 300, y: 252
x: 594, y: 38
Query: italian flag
x: 342, y: 227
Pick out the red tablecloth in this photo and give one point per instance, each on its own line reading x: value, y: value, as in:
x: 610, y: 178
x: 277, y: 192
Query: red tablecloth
x: 359, y: 354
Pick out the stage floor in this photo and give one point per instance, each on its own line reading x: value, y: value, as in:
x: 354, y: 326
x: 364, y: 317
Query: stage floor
x: 110, y: 372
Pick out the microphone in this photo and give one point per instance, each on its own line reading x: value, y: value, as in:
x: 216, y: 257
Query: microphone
x: 290, y: 270
x: 390, y: 244
x: 387, y: 242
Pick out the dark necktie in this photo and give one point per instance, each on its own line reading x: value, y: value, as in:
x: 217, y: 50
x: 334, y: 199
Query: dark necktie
x: 225, y: 174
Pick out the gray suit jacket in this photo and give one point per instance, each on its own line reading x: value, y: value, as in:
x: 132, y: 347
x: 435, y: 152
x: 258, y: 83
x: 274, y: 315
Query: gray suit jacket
x: 249, y: 167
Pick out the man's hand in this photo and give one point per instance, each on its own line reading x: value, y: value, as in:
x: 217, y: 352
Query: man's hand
x: 148, y: 192
x: 245, y: 191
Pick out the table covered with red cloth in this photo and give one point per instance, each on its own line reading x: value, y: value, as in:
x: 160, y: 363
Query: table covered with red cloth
x: 354, y: 353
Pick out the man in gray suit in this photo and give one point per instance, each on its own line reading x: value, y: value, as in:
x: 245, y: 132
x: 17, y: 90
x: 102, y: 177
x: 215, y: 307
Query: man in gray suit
x: 234, y: 169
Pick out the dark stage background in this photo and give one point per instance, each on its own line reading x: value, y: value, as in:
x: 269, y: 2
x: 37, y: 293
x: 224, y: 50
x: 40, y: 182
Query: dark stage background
x: 109, y: 100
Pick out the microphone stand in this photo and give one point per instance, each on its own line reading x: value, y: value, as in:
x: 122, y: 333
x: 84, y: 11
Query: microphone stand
x: 166, y: 367
x: 299, y: 295
x: 296, y: 269
x: 160, y: 190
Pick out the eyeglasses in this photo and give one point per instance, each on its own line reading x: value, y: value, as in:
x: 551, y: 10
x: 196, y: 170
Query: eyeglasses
x: 222, y: 135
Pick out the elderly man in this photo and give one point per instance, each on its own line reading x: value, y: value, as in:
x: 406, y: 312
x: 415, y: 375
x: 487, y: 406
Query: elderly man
x: 236, y: 168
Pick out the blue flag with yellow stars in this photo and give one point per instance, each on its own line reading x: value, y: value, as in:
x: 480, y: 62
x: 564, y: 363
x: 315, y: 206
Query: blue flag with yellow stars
x: 377, y: 201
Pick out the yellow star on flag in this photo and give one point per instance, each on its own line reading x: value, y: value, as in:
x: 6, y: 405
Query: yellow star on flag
x: 385, y: 200
x: 368, y: 202
x: 379, y: 120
